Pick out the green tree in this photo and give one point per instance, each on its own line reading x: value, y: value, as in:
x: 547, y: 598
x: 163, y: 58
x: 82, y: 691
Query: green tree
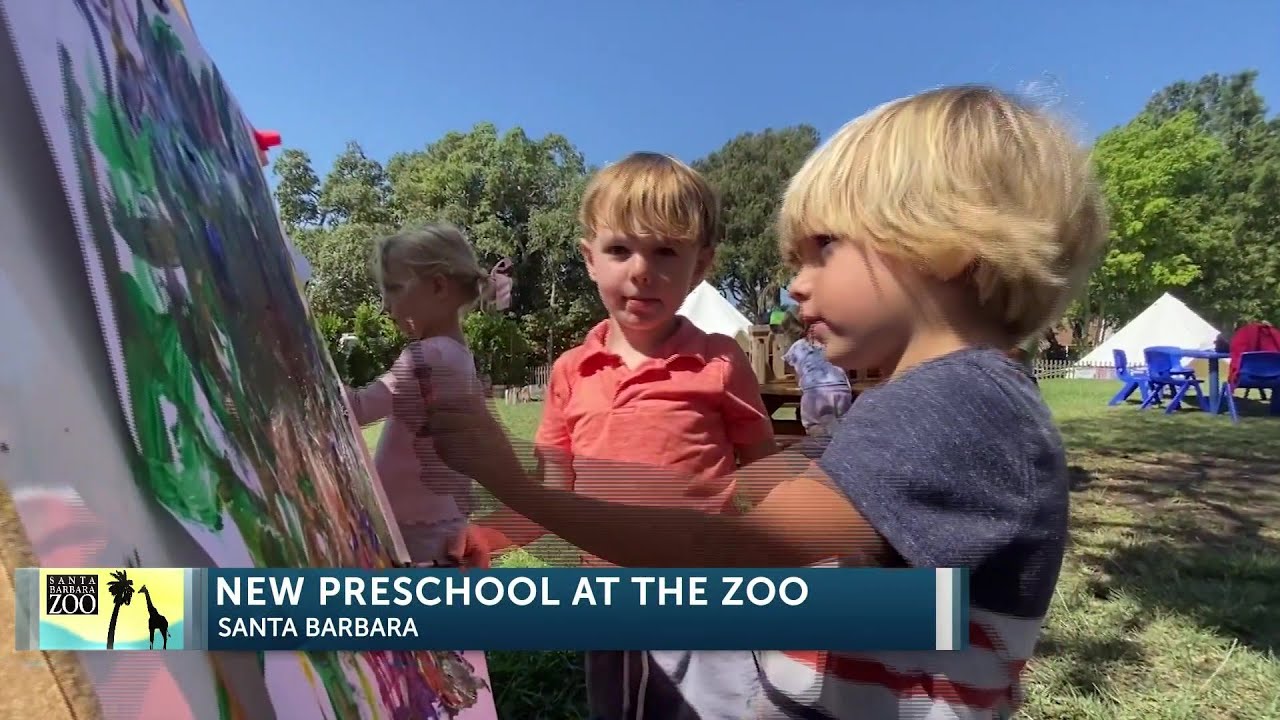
x: 341, y: 261
x: 121, y: 589
x: 1153, y: 173
x: 572, y: 303
x: 1240, y: 277
x: 297, y: 190
x: 1227, y: 107
x: 356, y: 191
x: 500, y: 347
x: 751, y: 172
x: 517, y: 197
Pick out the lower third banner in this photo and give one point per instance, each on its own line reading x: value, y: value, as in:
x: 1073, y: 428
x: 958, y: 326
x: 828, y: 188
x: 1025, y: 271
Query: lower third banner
x: 585, y: 609
x: 834, y: 609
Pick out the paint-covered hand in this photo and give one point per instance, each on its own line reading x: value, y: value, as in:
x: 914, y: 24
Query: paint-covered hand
x: 472, y: 547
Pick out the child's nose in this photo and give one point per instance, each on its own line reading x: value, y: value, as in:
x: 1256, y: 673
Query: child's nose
x: 800, y: 287
x: 639, y: 269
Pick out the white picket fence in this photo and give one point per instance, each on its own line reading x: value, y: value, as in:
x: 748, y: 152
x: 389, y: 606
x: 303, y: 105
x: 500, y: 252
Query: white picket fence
x: 533, y: 392
x: 1073, y: 370
x: 542, y: 376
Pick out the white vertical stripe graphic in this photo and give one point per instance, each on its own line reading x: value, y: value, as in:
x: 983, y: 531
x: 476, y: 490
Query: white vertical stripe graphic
x: 943, y: 602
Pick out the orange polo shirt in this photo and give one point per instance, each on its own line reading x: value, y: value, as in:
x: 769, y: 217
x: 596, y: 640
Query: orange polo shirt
x: 638, y: 435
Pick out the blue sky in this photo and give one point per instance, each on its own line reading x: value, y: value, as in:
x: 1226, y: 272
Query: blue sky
x: 684, y: 76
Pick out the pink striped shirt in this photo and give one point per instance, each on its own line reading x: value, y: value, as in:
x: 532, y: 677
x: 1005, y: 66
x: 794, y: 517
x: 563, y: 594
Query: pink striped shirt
x: 429, y: 499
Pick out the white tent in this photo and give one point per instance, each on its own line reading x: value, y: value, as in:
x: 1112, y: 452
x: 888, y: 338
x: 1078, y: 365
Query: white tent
x: 711, y: 312
x: 1166, y: 322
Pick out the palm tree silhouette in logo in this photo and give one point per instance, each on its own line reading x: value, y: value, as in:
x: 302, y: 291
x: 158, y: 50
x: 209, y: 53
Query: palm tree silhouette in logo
x: 121, y: 589
x: 155, y: 621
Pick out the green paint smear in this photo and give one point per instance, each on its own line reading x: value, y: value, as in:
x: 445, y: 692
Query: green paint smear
x: 224, y: 701
x: 177, y: 457
x: 176, y: 461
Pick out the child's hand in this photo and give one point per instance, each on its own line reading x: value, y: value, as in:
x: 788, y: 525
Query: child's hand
x: 494, y: 540
x: 473, y: 546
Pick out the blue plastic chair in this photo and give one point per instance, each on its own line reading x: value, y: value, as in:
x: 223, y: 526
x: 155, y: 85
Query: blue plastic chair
x: 1164, y: 369
x: 1257, y: 370
x: 1132, y: 380
x: 1179, y: 367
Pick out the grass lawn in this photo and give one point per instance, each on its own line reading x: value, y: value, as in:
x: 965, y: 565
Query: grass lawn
x: 1168, y: 605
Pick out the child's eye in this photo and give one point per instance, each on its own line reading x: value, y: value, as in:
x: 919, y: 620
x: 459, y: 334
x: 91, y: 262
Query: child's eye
x: 616, y: 250
x: 823, y: 245
x: 792, y: 258
x: 667, y: 252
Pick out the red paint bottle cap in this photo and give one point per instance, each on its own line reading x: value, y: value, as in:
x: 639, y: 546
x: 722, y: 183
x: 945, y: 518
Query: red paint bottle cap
x: 266, y: 139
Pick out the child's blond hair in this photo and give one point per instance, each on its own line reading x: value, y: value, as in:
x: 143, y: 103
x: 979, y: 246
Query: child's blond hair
x: 652, y: 195
x: 439, y: 249
x: 954, y: 181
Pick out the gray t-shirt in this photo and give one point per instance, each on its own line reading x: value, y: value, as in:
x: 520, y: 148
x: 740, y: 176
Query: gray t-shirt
x: 956, y: 463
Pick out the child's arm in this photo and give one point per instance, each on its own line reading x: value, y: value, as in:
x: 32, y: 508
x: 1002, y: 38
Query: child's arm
x: 375, y: 401
x: 926, y: 479
x: 370, y: 403
x: 551, y: 440
x: 749, y: 425
x: 803, y: 519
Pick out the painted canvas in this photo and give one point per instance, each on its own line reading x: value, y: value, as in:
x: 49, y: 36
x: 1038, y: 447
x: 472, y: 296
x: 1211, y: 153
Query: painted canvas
x: 237, y: 421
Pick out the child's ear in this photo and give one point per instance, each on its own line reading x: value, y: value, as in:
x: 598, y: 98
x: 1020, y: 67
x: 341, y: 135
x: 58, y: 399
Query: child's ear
x: 584, y: 247
x: 439, y: 284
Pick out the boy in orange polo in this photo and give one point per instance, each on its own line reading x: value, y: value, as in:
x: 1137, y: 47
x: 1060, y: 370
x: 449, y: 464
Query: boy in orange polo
x: 648, y: 387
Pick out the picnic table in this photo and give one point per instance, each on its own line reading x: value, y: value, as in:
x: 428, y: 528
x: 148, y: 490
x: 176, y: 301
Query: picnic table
x: 781, y: 393
x: 1215, y: 383
x: 777, y: 395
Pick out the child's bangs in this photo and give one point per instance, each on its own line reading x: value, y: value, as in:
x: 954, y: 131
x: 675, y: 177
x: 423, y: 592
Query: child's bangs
x: 645, y: 209
x: 876, y: 183
x: 830, y: 195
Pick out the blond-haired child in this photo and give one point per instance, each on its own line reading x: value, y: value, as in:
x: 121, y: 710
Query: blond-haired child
x: 428, y: 278
x: 648, y: 387
x: 928, y: 236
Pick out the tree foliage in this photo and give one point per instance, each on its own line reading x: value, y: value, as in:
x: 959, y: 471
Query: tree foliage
x: 751, y: 171
x: 1241, y: 269
x: 376, y: 342
x: 1192, y: 183
x: 298, y: 189
x: 1153, y: 172
x: 341, y: 277
x: 1193, y: 188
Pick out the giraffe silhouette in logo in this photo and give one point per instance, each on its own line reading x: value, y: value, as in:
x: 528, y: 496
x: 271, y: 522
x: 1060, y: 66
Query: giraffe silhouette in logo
x: 155, y: 622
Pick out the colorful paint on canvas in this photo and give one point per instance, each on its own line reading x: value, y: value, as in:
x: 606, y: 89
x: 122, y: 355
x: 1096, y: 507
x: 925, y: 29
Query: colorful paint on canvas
x: 236, y: 416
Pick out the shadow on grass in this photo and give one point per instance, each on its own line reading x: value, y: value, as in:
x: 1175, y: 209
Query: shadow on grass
x: 1186, y: 516
x: 1089, y: 659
